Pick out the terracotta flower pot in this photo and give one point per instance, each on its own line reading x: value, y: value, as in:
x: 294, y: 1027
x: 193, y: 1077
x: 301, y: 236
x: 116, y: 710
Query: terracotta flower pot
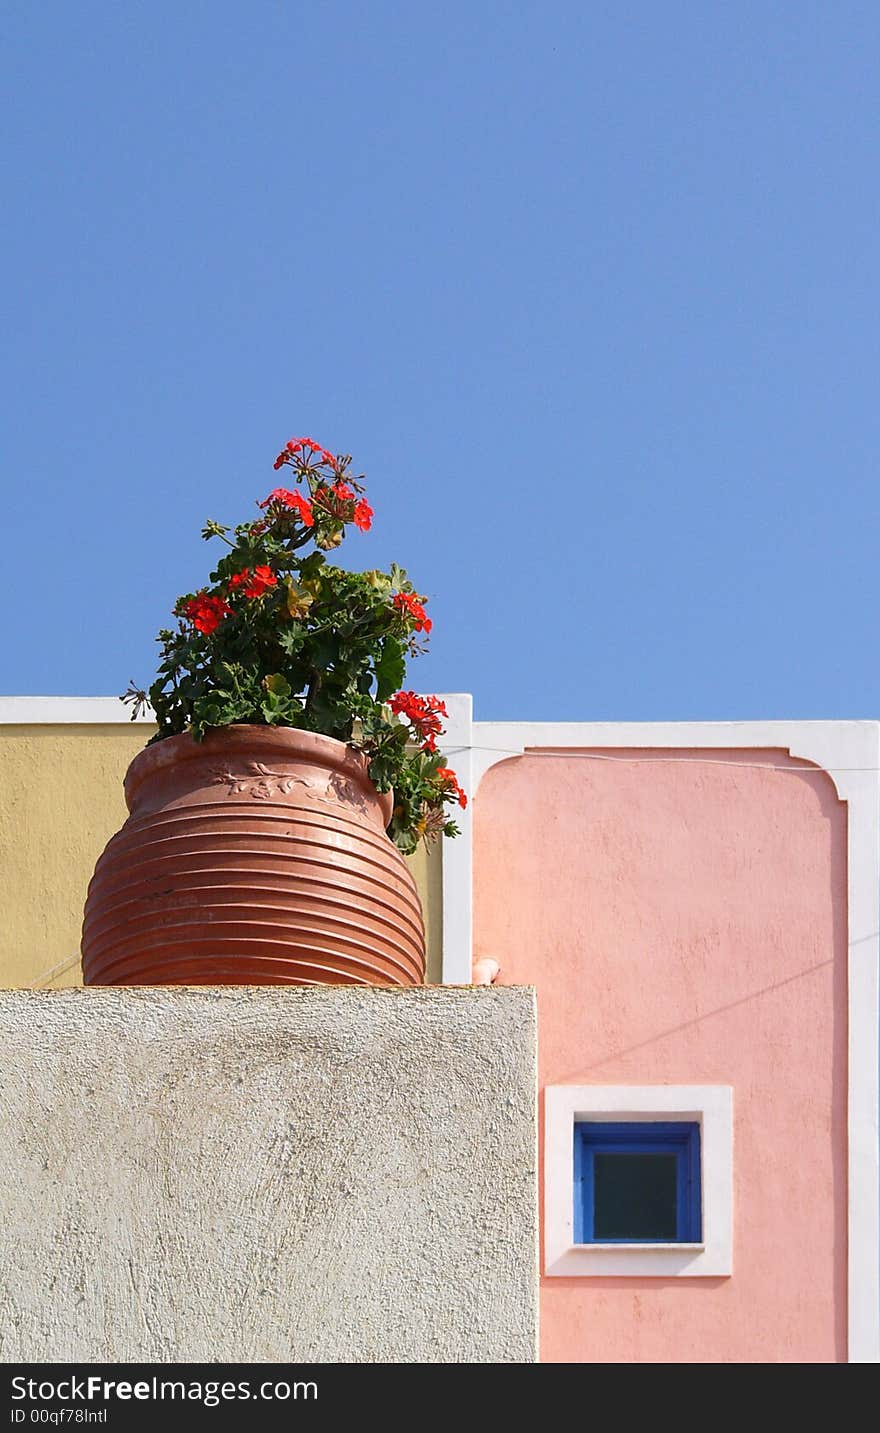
x: 256, y: 857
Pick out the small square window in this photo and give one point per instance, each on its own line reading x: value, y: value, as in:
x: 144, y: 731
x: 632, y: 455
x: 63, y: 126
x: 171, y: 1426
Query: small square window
x: 637, y: 1183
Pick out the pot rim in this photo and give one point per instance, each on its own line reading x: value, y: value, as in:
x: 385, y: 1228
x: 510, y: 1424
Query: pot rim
x: 250, y: 738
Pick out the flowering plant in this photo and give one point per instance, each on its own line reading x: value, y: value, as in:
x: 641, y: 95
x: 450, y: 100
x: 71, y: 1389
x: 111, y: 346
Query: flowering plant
x: 282, y: 637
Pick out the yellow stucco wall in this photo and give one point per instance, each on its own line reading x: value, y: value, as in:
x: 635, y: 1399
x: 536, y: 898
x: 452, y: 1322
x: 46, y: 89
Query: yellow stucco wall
x: 426, y: 864
x: 60, y: 802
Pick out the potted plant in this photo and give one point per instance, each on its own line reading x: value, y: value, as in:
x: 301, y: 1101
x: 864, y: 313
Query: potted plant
x: 290, y: 772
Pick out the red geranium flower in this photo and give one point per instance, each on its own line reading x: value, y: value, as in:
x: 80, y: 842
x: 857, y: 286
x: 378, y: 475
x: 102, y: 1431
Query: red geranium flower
x: 335, y: 500
x: 363, y: 516
x: 326, y: 455
x: 450, y: 781
x: 297, y: 445
x: 253, y: 584
x: 262, y: 580
x: 338, y: 500
x: 423, y: 715
x: 206, y: 612
x: 403, y: 703
x: 287, y: 452
x: 303, y: 507
x: 303, y: 453
x: 411, y: 604
x: 282, y: 497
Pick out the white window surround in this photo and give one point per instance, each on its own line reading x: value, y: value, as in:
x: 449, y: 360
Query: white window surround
x: 711, y: 1106
x: 849, y: 751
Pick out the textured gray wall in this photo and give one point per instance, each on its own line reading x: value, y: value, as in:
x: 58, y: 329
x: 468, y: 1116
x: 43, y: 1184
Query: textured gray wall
x: 330, y: 1175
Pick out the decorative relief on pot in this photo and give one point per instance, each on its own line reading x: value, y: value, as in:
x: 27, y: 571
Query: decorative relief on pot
x: 262, y: 784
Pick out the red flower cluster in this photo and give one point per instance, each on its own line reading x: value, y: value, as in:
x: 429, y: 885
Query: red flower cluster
x: 413, y: 606
x: 363, y: 515
x: 339, y: 502
x: 450, y: 783
x: 335, y: 500
x: 302, y: 445
x: 206, y: 612
x: 423, y: 715
x: 253, y: 584
x: 282, y: 497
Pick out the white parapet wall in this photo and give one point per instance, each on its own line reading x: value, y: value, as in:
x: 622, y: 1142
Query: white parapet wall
x: 268, y: 1174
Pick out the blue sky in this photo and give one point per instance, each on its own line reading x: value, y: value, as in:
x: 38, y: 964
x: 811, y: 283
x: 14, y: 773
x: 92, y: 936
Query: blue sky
x: 590, y: 291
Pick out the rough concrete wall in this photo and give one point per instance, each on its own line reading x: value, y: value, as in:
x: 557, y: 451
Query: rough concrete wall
x: 60, y: 802
x: 263, y: 1174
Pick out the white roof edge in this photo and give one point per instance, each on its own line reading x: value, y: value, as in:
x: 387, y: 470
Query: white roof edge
x: 37, y: 710
x: 106, y: 711
x: 49, y: 711
x: 781, y: 724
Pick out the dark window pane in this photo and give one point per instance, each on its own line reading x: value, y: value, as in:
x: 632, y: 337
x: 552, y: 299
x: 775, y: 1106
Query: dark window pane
x: 635, y: 1196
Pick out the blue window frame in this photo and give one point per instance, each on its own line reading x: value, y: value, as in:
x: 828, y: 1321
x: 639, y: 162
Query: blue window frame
x: 637, y: 1183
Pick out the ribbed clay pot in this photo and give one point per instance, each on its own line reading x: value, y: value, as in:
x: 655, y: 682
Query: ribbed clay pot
x: 256, y: 857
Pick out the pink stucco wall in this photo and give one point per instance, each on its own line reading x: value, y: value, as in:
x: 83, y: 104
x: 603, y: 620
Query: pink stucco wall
x: 685, y: 923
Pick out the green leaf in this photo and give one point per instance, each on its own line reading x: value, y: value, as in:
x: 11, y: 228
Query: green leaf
x: 277, y: 684
x: 290, y: 638
x: 390, y: 669
x: 378, y: 581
